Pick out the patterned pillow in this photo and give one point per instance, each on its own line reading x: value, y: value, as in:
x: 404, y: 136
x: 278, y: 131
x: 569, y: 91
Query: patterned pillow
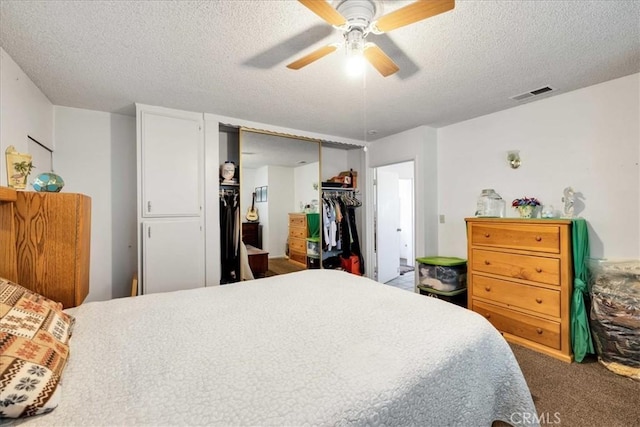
x: 34, y: 337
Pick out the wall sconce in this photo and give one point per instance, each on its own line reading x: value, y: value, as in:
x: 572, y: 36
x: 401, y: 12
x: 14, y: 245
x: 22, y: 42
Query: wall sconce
x: 513, y: 157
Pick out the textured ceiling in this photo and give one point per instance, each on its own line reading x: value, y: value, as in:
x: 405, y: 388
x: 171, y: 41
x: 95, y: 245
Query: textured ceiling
x: 228, y: 57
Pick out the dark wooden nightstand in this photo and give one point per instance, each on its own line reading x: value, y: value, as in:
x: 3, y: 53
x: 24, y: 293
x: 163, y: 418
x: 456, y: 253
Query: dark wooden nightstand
x: 258, y: 261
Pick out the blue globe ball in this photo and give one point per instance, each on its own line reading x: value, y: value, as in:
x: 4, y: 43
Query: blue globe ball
x: 48, y: 182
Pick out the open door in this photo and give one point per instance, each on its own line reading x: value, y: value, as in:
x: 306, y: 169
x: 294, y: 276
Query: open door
x: 388, y: 225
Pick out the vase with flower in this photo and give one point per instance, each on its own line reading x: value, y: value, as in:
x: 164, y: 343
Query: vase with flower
x: 525, y: 206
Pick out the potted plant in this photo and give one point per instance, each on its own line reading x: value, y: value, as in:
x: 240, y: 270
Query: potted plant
x: 525, y: 206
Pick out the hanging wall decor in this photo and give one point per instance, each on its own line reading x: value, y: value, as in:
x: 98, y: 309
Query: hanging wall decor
x: 19, y: 167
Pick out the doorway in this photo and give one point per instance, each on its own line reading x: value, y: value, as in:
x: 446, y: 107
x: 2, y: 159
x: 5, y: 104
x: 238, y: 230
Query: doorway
x: 394, y: 224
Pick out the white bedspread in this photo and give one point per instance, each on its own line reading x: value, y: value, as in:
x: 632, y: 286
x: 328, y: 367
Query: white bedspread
x: 317, y: 347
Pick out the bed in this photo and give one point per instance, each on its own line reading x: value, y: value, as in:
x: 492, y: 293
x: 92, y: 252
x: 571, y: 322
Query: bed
x: 310, y: 348
x: 317, y: 347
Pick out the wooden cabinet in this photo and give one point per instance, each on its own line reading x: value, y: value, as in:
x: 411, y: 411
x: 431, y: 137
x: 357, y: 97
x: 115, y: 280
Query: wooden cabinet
x: 252, y: 234
x: 53, y: 239
x: 519, y: 277
x: 298, y: 238
x: 170, y: 147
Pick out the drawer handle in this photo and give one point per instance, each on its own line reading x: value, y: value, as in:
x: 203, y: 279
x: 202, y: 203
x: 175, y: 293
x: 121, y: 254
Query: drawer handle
x: 538, y: 239
x: 487, y: 262
x: 487, y: 235
x: 539, y: 331
x: 487, y: 315
x: 487, y: 288
x: 539, y: 300
x: 538, y: 270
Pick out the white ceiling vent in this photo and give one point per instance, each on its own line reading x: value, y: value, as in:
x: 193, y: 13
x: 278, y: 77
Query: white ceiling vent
x: 532, y: 93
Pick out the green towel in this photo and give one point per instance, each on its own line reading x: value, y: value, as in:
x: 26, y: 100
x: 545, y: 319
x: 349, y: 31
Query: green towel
x: 313, y: 224
x: 580, y: 332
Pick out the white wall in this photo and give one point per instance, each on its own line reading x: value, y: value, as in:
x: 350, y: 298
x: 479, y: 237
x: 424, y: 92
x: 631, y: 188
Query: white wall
x: 333, y: 162
x: 24, y: 111
x: 419, y: 145
x: 279, y: 205
x: 96, y: 155
x: 247, y: 187
x: 303, y: 179
x: 261, y: 179
x: 588, y: 139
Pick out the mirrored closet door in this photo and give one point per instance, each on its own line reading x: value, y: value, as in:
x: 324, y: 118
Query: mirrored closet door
x: 280, y: 193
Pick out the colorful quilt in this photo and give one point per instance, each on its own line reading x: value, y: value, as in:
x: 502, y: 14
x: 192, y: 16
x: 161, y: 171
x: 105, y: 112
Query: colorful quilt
x: 34, y: 336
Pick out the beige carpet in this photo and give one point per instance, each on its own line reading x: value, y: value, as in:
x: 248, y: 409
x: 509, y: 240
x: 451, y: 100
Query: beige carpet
x: 579, y: 394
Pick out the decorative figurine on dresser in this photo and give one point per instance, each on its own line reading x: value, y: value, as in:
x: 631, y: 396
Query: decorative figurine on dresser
x: 568, y: 199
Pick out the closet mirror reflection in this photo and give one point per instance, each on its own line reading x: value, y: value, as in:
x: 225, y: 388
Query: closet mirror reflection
x: 279, y: 176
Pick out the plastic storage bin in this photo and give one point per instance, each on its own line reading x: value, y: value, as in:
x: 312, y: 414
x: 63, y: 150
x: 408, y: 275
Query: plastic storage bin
x: 313, y: 262
x: 457, y: 297
x: 442, y: 273
x: 615, y: 315
x: 313, y: 246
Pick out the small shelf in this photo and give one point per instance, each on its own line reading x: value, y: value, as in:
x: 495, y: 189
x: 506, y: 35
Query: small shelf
x: 339, y: 189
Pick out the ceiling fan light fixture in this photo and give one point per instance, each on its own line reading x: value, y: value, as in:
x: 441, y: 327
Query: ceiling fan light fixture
x: 358, y: 18
x: 354, y: 48
x: 355, y: 65
x: 354, y: 42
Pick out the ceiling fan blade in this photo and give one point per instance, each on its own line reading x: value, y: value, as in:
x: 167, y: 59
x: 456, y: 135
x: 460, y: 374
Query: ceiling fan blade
x: 313, y: 56
x: 414, y: 12
x: 380, y: 60
x: 325, y: 11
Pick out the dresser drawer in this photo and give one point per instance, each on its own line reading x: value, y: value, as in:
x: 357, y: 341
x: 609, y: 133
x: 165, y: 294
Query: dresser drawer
x: 298, y: 245
x: 297, y: 220
x: 539, y: 300
x: 526, y: 267
x: 298, y: 257
x: 542, y: 331
x: 298, y: 232
x: 541, y: 238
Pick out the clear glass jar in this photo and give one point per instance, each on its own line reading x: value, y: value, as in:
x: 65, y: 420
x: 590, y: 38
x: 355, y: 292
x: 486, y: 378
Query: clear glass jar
x: 490, y: 204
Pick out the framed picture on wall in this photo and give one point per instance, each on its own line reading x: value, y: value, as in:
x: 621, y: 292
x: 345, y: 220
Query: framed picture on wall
x: 258, y: 193
x: 264, y: 194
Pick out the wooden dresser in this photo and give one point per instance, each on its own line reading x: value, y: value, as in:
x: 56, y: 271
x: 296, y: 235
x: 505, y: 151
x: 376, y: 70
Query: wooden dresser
x: 519, y: 277
x: 298, y: 238
x: 53, y: 237
x: 252, y: 234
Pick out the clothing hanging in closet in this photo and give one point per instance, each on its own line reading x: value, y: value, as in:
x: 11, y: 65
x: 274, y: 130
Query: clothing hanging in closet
x: 229, y: 235
x: 339, y: 231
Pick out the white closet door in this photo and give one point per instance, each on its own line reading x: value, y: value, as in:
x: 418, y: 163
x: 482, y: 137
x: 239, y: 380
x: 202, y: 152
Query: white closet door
x: 173, y: 255
x: 171, y: 152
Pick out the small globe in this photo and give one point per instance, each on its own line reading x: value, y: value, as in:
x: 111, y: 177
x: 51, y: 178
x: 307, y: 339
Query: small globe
x: 48, y: 182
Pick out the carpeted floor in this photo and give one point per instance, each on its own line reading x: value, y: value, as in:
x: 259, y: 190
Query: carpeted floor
x: 579, y: 394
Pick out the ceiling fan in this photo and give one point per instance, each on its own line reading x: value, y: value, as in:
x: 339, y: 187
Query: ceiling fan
x: 355, y: 19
